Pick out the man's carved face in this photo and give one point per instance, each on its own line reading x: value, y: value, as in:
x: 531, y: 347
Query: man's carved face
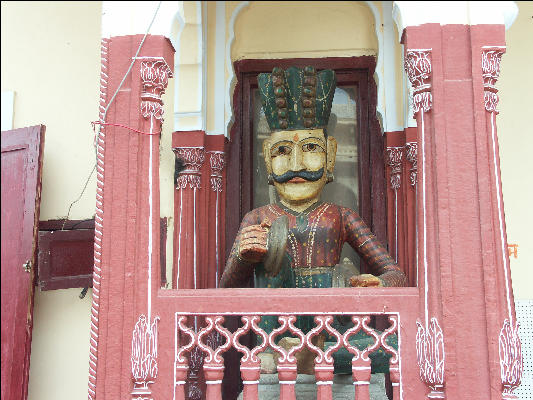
x: 299, y: 161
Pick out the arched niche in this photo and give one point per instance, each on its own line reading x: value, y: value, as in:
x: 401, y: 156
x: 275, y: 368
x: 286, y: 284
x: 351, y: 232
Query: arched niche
x: 340, y: 28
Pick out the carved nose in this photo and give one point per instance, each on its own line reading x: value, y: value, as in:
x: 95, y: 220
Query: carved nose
x: 297, y: 164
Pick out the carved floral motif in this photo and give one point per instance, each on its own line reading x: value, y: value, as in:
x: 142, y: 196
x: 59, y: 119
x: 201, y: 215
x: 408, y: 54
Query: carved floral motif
x: 196, y: 361
x: 394, y: 160
x: 511, y: 365
x: 144, y: 355
x: 411, y: 156
x: 430, y: 355
x: 217, y: 162
x: 154, y: 76
x: 418, y: 68
x: 490, y: 65
x: 193, y: 159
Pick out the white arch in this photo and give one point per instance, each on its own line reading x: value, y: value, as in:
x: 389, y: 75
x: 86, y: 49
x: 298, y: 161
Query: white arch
x: 378, y: 75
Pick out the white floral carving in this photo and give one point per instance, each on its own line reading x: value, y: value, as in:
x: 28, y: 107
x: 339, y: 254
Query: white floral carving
x: 490, y: 65
x: 144, y: 353
x: 411, y: 155
x: 217, y: 162
x: 418, y: 69
x: 193, y: 159
x: 511, y: 364
x: 430, y: 354
x: 394, y: 160
x: 154, y: 76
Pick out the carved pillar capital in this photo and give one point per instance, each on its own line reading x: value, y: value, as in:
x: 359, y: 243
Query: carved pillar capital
x: 217, y: 162
x: 411, y: 156
x: 193, y: 159
x: 490, y: 65
x: 394, y: 160
x: 154, y: 75
x: 418, y: 69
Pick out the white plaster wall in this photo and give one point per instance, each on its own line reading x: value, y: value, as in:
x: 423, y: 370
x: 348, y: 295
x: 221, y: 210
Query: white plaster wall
x: 514, y: 133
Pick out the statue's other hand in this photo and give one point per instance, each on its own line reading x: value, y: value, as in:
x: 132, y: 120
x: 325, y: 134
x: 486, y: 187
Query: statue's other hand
x: 253, y: 244
x: 365, y: 280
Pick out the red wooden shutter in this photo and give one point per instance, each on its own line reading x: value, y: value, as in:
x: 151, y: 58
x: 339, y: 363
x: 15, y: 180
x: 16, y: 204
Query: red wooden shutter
x: 22, y: 152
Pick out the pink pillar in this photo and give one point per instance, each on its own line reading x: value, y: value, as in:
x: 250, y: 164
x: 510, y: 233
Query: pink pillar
x: 199, y: 210
x: 468, y: 325
x: 189, y: 148
x: 124, y: 327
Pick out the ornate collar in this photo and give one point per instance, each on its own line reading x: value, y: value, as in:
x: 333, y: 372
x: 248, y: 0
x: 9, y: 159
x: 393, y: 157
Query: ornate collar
x: 305, y: 212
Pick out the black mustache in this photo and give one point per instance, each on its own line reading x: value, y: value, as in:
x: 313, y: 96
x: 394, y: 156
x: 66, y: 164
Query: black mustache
x: 307, y: 175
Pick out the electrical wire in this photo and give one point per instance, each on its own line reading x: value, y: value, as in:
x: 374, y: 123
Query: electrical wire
x: 102, y: 121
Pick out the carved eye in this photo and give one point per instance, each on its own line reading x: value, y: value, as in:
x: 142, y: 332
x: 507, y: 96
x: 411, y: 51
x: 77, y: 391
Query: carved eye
x: 312, y: 147
x: 281, y: 150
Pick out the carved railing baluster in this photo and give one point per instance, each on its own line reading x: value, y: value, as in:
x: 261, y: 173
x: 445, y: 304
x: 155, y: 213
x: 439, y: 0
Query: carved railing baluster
x: 361, y: 368
x: 213, y: 362
x: 287, y: 372
x: 250, y: 363
x: 394, y: 367
x: 358, y: 366
x: 324, y: 359
x: 181, y: 363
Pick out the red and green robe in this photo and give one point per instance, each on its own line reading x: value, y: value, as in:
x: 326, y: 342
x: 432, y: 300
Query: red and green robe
x: 314, y: 245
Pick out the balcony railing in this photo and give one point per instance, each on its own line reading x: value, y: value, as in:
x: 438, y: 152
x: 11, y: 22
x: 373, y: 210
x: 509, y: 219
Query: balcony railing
x: 199, y: 328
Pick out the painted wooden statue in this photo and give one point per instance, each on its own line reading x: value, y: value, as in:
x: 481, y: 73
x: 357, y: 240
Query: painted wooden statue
x: 297, y: 242
x: 300, y: 158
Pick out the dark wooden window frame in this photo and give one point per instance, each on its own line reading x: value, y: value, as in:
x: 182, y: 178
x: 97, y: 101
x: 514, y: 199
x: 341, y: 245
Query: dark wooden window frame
x: 357, y: 71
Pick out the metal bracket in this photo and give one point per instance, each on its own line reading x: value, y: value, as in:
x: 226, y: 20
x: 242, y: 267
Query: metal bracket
x: 27, y: 266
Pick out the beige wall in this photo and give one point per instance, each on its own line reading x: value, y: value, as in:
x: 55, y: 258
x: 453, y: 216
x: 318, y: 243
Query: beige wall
x: 515, y: 135
x: 51, y: 59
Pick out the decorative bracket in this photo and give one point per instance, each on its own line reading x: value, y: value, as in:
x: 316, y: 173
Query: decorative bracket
x: 411, y: 155
x: 418, y: 69
x: 490, y: 64
x: 154, y: 75
x: 394, y: 160
x: 217, y: 162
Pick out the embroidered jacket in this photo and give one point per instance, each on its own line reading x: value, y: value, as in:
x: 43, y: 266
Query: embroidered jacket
x: 316, y: 237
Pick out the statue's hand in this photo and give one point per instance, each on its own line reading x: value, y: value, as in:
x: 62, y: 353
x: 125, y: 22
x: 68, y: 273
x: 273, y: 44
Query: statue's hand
x: 254, y: 242
x: 365, y: 280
